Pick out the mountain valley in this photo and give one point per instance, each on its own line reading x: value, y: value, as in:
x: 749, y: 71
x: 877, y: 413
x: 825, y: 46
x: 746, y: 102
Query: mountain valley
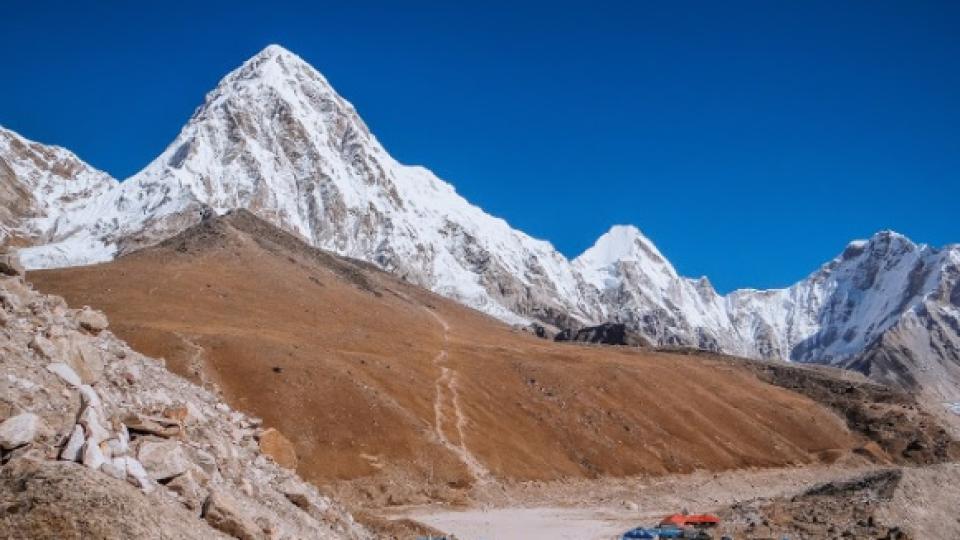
x: 349, y: 322
x: 276, y: 139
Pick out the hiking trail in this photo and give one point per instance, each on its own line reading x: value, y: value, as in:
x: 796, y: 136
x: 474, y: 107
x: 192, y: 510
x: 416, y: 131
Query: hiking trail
x: 446, y: 403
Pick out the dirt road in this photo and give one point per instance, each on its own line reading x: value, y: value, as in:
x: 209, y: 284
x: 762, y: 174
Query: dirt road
x: 606, y: 508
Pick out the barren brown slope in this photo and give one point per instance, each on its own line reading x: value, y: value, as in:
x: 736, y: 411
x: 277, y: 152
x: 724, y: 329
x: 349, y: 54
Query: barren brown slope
x: 405, y: 396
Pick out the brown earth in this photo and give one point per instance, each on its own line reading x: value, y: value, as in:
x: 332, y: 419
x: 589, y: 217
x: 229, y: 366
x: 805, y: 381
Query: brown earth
x: 895, y: 422
x: 394, y: 395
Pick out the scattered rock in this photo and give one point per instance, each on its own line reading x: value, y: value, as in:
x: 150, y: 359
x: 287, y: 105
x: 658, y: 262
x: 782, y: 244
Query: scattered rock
x: 225, y: 514
x: 161, y: 427
x: 114, y: 469
x: 190, y: 490
x: 84, y: 428
x: 120, y: 445
x: 177, y: 414
x: 92, y: 321
x: 163, y: 459
x: 93, y: 426
x: 137, y: 474
x: 44, y: 347
x: 298, y: 494
x: 206, y: 462
x: 93, y: 457
x: 130, y: 374
x: 279, y: 448
x: 65, y: 372
x: 19, y: 430
x: 85, y: 359
x: 72, y: 451
x: 88, y: 396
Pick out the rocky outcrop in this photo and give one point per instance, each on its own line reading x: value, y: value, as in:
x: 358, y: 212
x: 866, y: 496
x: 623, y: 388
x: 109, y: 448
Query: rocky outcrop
x: 140, y: 452
x: 604, y: 334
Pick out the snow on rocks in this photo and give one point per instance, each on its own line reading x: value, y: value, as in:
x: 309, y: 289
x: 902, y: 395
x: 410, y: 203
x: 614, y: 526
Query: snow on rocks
x: 129, y: 420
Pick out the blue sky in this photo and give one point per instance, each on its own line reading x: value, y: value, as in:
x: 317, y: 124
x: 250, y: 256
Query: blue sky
x: 749, y: 140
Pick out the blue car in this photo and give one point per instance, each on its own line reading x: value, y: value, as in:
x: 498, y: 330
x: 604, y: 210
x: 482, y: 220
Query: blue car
x: 639, y: 532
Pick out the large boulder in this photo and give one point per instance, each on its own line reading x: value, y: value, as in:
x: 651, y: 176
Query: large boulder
x: 65, y: 372
x: 163, y: 459
x: 19, y: 430
x: 85, y: 359
x: 224, y: 513
x: 92, y: 321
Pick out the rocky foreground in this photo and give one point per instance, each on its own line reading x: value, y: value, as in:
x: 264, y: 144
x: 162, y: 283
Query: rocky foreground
x: 99, y: 441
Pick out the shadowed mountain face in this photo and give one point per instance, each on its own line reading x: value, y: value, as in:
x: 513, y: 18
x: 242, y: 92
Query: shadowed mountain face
x: 276, y: 139
x: 392, y: 393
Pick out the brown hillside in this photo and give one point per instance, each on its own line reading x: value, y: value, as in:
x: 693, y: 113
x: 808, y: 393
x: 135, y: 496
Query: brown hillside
x: 405, y: 396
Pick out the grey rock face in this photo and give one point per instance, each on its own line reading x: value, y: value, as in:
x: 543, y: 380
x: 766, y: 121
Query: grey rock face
x: 606, y: 334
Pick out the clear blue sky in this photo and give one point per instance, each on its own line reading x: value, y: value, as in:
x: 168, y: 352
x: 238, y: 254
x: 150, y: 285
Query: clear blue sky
x: 749, y: 140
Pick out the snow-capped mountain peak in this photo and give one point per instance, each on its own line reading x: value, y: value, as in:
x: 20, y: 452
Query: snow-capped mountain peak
x: 620, y: 243
x: 275, y: 138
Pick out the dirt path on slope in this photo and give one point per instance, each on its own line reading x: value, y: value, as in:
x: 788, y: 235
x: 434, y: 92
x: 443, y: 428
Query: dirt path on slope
x: 447, y: 401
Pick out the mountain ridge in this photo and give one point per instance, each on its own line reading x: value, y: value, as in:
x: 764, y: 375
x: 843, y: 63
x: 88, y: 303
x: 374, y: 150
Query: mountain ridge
x: 275, y: 138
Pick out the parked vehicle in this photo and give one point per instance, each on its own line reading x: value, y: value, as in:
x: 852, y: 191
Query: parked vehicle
x: 639, y: 532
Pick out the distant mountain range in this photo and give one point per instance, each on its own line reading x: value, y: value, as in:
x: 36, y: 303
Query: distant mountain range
x: 275, y: 138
